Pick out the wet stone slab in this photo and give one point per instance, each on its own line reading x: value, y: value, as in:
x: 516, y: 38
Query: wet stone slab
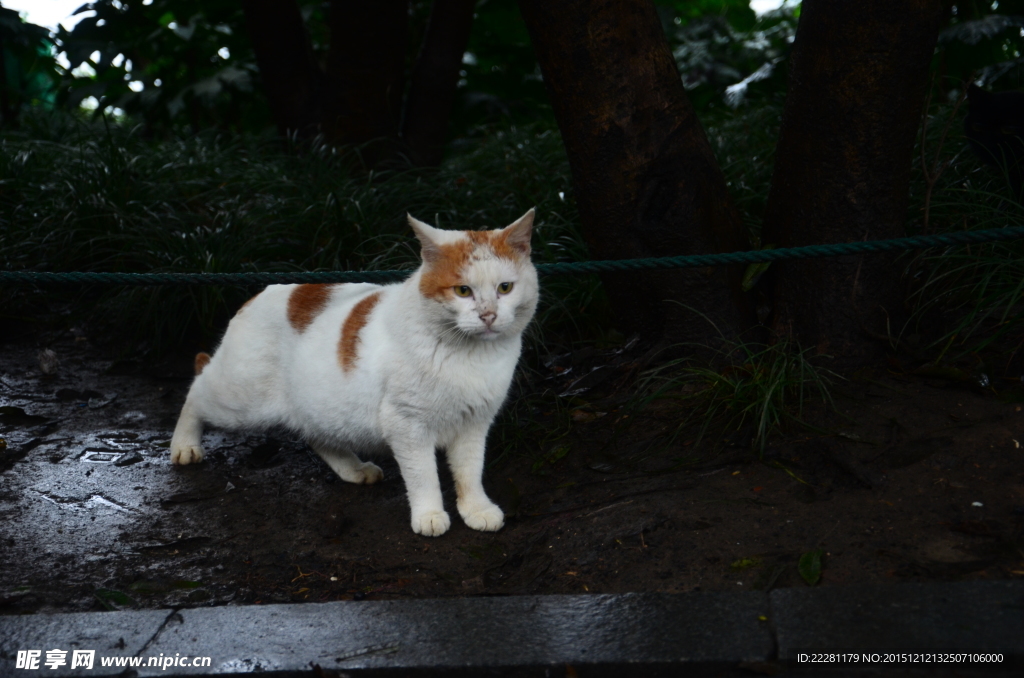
x: 598, y: 635
x: 969, y: 617
x: 703, y: 629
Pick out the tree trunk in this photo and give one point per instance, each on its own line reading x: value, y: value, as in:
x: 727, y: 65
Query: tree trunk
x: 644, y: 176
x: 365, y: 74
x: 858, y: 73
x: 359, y: 98
x: 434, y: 79
x: 291, y: 78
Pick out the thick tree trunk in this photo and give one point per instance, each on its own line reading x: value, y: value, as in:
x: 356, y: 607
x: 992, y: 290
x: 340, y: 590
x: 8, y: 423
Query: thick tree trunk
x: 291, y: 79
x: 842, y: 171
x: 365, y: 74
x: 434, y: 79
x: 645, y: 179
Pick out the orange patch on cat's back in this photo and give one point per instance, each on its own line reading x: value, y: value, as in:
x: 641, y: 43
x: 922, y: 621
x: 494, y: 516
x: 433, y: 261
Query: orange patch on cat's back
x: 348, y: 347
x: 306, y: 302
x: 202, y: 360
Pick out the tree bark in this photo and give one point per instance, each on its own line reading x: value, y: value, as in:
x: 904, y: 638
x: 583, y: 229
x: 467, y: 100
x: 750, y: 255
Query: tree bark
x: 291, y: 78
x: 365, y: 74
x: 858, y: 74
x: 645, y: 179
x: 434, y: 79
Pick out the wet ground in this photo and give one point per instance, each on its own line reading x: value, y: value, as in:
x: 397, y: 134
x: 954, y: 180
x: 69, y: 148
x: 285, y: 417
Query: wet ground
x: 915, y: 479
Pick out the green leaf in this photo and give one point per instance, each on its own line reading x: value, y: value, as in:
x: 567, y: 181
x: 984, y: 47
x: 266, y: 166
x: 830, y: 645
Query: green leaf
x: 809, y: 566
x: 755, y: 271
x: 185, y: 584
x: 110, y: 598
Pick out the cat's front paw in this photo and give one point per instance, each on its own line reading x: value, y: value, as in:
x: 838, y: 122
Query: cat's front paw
x: 186, y: 454
x: 487, y: 517
x: 431, y: 523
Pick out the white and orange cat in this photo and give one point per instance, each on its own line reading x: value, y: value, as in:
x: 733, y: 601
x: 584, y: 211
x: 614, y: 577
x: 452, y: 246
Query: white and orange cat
x: 412, y: 366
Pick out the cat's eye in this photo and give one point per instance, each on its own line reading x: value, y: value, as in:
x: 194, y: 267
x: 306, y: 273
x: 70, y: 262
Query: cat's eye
x: 505, y: 287
x: 463, y: 290
x: 1009, y: 131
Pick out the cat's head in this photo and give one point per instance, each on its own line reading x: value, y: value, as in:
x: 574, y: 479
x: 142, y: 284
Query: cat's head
x: 479, y: 284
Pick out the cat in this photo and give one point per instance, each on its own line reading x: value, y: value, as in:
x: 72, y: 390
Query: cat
x: 994, y: 127
x: 410, y: 366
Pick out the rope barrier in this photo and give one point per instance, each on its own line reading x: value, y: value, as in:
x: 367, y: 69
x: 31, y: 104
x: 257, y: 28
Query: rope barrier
x: 609, y: 265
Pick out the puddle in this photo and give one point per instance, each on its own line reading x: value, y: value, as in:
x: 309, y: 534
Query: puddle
x: 99, y: 457
x: 94, y: 501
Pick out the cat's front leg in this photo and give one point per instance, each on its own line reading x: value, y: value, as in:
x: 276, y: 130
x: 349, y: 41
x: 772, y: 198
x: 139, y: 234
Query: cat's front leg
x: 417, y: 461
x: 186, y: 443
x: 466, y: 459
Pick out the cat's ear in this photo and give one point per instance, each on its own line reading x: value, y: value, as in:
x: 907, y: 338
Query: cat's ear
x: 517, y: 234
x: 429, y: 249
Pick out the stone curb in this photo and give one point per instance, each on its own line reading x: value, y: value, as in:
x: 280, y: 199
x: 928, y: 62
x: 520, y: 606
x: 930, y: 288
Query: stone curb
x: 642, y: 634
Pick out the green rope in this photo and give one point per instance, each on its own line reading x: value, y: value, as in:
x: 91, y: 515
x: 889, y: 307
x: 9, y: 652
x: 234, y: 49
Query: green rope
x: 688, y: 261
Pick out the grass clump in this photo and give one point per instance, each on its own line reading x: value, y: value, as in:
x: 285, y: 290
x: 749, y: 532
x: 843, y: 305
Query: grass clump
x: 760, y: 391
x: 965, y: 299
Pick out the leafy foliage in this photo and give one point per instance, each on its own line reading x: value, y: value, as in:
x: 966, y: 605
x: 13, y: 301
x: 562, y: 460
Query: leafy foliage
x: 500, y: 79
x: 166, y: 61
x: 28, y: 72
x: 984, y: 41
x: 725, y: 53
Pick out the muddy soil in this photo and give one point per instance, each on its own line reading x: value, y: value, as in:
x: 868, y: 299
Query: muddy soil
x: 913, y: 479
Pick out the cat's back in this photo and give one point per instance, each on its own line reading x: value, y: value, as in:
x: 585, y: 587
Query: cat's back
x: 282, y: 320
x: 293, y: 309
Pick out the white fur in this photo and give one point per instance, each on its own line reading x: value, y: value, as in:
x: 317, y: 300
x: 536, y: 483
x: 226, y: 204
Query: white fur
x: 428, y: 374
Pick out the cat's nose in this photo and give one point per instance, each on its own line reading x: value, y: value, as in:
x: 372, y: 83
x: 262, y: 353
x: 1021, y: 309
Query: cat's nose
x: 488, y: 317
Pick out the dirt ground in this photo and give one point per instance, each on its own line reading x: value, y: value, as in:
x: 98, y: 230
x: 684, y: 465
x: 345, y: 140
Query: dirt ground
x: 915, y: 479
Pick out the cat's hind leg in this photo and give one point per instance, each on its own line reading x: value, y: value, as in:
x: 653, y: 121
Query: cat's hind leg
x: 186, y: 443
x: 348, y: 466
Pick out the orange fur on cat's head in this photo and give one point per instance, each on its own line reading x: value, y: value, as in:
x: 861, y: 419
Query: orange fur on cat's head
x: 446, y: 253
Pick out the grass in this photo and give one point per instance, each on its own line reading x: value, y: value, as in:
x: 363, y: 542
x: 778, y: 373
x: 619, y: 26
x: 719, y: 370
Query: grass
x: 78, y: 196
x: 967, y: 299
x: 761, y: 391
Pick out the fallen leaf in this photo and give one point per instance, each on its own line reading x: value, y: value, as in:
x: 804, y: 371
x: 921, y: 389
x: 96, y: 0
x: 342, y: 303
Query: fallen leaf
x: 810, y: 566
